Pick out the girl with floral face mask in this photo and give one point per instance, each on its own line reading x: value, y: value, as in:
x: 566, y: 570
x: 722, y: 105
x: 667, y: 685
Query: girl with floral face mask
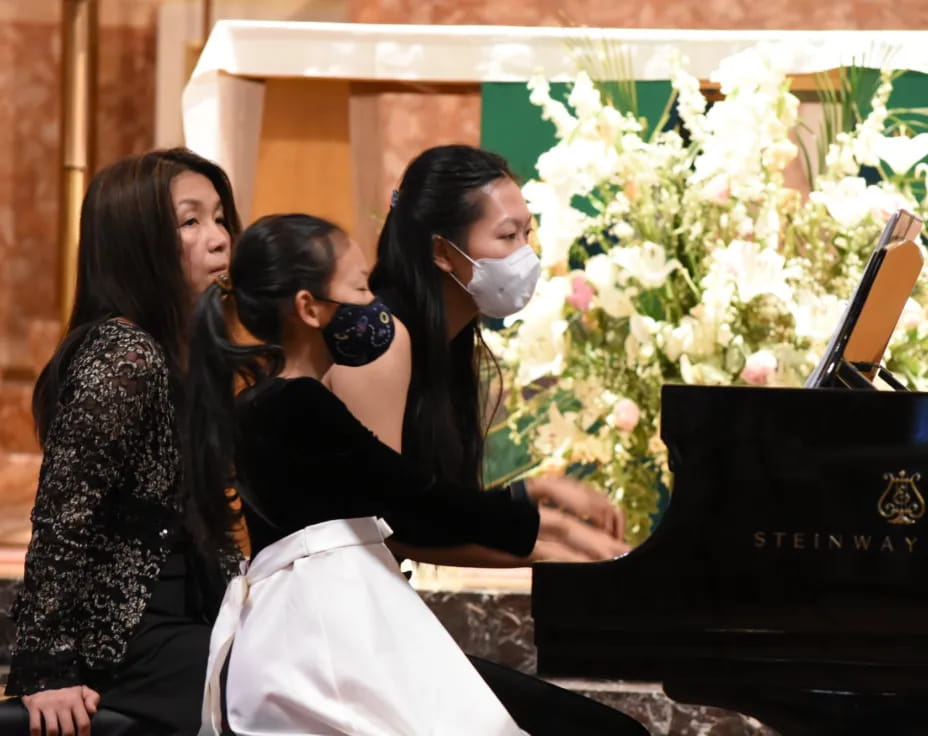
x: 455, y: 245
x: 328, y: 635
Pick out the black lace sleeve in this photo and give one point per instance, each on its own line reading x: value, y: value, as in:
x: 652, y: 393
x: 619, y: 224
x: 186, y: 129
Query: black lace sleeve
x: 89, y: 455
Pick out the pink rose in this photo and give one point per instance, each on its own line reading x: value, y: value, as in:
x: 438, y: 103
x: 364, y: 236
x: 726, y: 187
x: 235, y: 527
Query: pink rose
x: 625, y: 416
x: 582, y: 294
x: 717, y: 190
x: 759, y: 367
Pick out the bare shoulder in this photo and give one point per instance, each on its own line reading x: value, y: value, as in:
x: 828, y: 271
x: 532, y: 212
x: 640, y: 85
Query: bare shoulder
x: 388, y: 368
x: 376, y: 393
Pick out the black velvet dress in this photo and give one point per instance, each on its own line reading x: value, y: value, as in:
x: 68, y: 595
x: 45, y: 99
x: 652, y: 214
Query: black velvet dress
x: 303, y: 458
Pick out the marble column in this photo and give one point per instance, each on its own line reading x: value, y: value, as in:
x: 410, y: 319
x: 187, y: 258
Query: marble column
x: 30, y: 49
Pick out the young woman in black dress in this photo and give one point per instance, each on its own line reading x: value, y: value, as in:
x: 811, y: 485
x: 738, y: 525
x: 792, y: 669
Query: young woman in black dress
x: 115, y: 611
x: 455, y: 246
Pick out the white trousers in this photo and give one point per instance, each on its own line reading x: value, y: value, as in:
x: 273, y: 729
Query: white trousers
x: 329, y: 638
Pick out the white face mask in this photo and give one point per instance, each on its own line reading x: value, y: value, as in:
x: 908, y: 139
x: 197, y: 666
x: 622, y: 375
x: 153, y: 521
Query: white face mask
x: 502, y: 286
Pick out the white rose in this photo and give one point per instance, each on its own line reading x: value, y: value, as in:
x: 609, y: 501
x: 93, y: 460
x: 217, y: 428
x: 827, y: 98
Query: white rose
x: 844, y: 200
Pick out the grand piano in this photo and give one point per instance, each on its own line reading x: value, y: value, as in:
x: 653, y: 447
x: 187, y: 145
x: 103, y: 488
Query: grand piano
x: 788, y: 577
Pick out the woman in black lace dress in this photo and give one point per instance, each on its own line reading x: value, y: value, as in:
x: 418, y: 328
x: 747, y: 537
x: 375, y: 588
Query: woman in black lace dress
x: 116, y: 606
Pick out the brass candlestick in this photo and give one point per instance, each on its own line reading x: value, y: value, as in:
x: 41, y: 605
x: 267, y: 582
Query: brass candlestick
x: 79, y: 25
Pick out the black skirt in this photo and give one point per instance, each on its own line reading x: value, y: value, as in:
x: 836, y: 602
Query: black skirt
x: 160, y: 681
x: 544, y: 709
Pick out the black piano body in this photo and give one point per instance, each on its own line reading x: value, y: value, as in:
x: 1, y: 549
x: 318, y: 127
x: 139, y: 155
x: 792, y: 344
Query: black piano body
x: 788, y: 577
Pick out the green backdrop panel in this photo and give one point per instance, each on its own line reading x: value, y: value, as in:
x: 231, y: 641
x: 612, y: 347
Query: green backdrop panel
x: 512, y: 126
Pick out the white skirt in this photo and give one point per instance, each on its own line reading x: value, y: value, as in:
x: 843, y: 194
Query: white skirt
x: 329, y: 638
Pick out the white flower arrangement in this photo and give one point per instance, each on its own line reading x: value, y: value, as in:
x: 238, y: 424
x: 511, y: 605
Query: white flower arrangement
x: 694, y: 262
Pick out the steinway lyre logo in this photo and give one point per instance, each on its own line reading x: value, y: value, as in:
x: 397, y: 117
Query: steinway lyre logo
x: 901, y: 502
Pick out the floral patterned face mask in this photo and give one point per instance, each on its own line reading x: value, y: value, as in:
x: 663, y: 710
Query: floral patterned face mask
x: 358, y: 334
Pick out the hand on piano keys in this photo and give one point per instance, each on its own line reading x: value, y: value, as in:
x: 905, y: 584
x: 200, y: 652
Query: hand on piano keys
x: 578, y: 524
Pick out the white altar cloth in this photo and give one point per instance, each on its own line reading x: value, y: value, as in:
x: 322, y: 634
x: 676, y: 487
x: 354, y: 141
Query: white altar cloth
x: 223, y: 100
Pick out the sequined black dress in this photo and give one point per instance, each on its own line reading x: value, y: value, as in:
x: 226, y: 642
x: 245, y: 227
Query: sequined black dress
x: 113, y: 596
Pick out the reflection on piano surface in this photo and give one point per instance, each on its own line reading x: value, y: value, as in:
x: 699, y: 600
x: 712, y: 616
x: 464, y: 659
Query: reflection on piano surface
x: 788, y: 577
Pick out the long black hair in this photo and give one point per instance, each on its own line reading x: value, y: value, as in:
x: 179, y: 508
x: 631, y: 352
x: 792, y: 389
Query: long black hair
x: 236, y: 342
x: 443, y: 427
x: 129, y: 263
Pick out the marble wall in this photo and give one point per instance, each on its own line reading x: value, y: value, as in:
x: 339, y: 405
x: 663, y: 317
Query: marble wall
x: 30, y: 81
x: 721, y: 14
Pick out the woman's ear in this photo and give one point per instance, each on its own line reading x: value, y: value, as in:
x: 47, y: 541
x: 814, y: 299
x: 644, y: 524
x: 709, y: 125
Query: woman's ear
x: 308, y: 309
x: 441, y: 254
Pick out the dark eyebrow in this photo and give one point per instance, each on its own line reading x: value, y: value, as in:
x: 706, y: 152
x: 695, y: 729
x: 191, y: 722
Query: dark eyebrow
x: 514, y: 221
x: 198, y: 203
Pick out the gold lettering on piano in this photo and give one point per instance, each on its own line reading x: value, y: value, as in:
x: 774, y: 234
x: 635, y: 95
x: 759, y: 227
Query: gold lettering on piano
x: 837, y: 542
x: 901, y: 502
